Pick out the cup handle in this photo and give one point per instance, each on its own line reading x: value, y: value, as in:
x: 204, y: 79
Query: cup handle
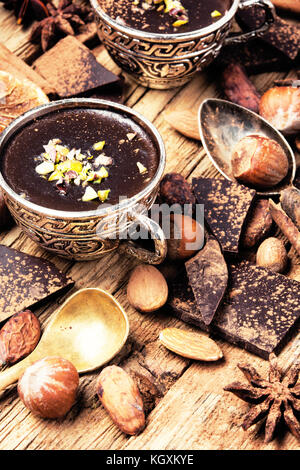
x: 157, y: 235
x: 269, y: 9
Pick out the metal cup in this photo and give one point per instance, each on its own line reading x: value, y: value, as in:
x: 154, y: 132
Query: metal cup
x: 170, y: 60
x: 87, y: 235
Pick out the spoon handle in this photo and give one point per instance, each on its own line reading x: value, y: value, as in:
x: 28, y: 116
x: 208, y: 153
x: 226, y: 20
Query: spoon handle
x: 12, y: 374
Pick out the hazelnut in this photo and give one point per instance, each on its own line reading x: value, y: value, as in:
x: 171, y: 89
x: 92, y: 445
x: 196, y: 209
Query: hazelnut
x: 147, y: 288
x: 186, y: 237
x: 272, y: 254
x: 48, y: 387
x: 281, y: 107
x: 259, y: 161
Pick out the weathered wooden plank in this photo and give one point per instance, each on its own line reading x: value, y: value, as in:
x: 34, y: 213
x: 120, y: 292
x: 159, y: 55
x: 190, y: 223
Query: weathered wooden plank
x: 11, y: 63
x: 195, y: 412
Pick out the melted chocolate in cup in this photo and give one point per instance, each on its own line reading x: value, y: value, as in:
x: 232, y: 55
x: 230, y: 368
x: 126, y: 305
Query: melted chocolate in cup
x: 129, y: 146
x: 201, y: 13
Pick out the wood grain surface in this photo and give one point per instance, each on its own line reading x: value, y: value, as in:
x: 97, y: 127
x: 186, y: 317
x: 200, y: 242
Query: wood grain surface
x: 185, y: 402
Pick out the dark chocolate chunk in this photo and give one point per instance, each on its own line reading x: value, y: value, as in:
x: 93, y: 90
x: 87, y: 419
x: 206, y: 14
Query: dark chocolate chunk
x: 72, y: 69
x: 208, y: 277
x: 27, y: 280
x: 258, y: 312
x: 226, y: 205
x: 114, y: 92
x: 256, y: 56
x: 182, y: 302
x: 282, y: 35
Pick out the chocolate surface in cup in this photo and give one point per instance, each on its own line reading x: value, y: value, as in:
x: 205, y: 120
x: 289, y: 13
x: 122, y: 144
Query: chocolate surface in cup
x: 128, y: 145
x: 141, y: 15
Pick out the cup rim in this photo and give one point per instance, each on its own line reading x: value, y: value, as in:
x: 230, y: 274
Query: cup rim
x: 166, y: 37
x: 91, y: 103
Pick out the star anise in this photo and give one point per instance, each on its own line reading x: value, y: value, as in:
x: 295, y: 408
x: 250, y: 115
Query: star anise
x: 275, y: 398
x: 27, y: 10
x: 67, y: 18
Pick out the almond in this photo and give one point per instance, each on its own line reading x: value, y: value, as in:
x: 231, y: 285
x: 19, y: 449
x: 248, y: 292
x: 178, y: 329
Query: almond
x: 185, y: 122
x: 121, y: 398
x: 147, y: 288
x: 190, y: 345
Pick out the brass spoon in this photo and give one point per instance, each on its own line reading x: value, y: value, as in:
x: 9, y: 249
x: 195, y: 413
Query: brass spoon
x: 89, y: 329
x: 223, y: 124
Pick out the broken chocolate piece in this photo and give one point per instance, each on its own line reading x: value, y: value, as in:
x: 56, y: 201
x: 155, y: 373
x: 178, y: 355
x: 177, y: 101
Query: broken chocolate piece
x: 72, y: 69
x: 281, y: 35
x: 226, y: 205
x: 258, y: 313
x: 182, y: 302
x: 27, y: 280
x: 259, y: 309
x: 208, y: 277
x: 256, y: 56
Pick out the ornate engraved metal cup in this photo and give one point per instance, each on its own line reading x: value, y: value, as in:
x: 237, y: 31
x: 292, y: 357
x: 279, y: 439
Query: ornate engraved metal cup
x: 169, y: 60
x: 90, y: 234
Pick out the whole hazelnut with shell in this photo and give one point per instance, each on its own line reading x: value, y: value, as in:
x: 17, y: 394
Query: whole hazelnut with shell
x: 281, y: 107
x: 48, y: 387
x: 259, y: 161
x: 186, y: 237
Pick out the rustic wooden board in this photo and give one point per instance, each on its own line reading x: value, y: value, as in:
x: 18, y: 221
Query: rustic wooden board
x: 187, y: 406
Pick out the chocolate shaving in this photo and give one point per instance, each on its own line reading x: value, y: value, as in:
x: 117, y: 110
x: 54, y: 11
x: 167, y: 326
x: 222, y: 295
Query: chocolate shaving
x: 27, y: 280
x: 258, y: 313
x: 226, y: 205
x: 72, y: 69
x: 208, y: 276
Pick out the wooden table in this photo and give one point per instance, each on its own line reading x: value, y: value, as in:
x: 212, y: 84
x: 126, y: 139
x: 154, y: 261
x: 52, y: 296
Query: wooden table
x: 188, y: 408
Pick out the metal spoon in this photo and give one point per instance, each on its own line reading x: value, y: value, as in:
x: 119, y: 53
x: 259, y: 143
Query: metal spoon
x: 223, y: 124
x: 89, y: 329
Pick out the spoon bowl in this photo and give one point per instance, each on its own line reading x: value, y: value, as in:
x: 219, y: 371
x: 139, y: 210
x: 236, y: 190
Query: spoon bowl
x: 223, y: 124
x: 89, y: 329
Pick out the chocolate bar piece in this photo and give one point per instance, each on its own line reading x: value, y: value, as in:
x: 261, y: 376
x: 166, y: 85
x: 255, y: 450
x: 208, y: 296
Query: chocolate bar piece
x: 226, y: 205
x: 208, y: 276
x: 256, y: 56
x: 258, y: 313
x: 282, y: 35
x: 26, y: 280
x: 72, y: 69
x: 182, y: 302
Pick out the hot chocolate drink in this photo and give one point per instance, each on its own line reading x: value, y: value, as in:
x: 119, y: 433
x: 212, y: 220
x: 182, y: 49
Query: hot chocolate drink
x: 79, y: 159
x: 166, y: 16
